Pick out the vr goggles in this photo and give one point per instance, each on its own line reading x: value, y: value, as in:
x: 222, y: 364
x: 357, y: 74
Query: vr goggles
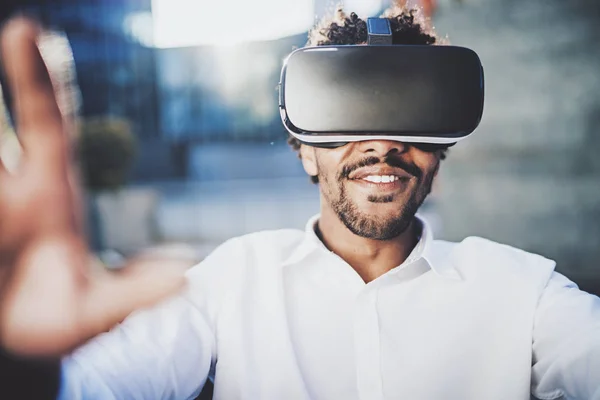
x: 332, y: 95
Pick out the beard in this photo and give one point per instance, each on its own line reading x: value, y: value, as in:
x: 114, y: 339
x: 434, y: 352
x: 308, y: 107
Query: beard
x: 374, y: 226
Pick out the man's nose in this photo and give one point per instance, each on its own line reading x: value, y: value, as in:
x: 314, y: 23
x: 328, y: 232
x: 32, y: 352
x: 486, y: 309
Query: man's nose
x: 382, y: 148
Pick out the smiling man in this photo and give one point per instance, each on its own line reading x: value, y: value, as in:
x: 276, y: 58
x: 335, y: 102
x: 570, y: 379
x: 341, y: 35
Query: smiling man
x: 370, y: 193
x: 363, y: 304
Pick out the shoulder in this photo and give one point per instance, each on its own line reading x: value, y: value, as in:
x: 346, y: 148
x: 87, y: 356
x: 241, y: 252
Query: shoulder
x: 236, y: 263
x: 264, y: 244
x: 262, y: 247
x: 478, y: 248
x: 279, y: 241
x: 482, y: 258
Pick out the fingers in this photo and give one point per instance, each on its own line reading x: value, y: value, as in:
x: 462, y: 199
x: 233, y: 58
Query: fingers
x: 41, y: 297
x: 142, y: 284
x: 2, y: 167
x: 4, y: 127
x: 37, y: 114
x: 10, y: 149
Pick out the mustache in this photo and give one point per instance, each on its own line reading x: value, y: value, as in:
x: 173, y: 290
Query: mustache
x: 395, y: 162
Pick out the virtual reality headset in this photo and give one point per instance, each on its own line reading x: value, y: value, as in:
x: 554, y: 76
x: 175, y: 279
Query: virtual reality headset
x: 332, y: 95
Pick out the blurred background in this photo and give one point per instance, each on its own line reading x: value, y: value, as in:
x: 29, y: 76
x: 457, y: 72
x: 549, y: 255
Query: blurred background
x: 183, y: 146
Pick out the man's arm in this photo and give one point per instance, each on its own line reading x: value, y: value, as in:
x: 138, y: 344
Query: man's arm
x: 566, y: 343
x: 165, y: 352
x: 161, y: 353
x: 49, y: 304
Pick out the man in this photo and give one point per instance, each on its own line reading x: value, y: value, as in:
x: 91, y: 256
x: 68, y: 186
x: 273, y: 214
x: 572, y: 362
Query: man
x: 364, y: 304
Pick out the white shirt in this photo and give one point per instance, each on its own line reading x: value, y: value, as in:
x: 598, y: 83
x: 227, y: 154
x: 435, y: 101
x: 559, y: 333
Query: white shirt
x: 275, y: 315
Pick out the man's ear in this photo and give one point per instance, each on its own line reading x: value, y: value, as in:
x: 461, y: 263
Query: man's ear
x: 309, y: 161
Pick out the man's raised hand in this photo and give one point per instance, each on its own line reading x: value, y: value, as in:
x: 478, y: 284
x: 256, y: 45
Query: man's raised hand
x: 49, y: 303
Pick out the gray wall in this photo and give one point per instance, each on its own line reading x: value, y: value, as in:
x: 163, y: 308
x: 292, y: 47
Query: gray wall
x: 530, y: 176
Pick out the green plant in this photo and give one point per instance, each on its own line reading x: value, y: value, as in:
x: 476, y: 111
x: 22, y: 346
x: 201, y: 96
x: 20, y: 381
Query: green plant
x: 107, y: 150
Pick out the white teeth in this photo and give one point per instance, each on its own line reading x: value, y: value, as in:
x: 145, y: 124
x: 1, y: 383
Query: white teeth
x: 381, y: 178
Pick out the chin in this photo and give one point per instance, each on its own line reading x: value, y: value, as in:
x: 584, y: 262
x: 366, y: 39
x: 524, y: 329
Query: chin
x: 382, y: 204
x: 383, y: 213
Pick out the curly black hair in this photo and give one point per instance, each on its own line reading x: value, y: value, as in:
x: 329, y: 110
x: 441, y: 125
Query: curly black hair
x: 409, y: 26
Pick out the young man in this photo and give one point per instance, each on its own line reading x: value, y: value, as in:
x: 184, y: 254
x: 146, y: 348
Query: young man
x: 364, y: 304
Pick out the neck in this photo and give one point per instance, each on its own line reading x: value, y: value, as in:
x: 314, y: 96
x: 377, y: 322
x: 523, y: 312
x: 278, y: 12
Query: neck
x: 370, y: 258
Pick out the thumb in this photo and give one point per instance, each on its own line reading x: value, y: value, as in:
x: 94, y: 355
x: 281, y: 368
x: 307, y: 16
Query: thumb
x: 114, y: 296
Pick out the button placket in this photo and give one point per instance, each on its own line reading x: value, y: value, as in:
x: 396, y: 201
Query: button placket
x: 367, y: 346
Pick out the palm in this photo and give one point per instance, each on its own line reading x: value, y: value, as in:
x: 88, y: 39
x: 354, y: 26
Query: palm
x: 47, y: 278
x: 48, y: 302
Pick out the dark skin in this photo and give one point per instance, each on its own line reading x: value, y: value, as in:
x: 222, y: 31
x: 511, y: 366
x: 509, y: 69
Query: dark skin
x: 382, y: 233
x: 50, y: 302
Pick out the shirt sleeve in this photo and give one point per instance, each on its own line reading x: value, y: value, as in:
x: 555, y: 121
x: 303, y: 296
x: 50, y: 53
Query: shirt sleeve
x: 166, y: 352
x: 566, y: 343
x: 162, y: 353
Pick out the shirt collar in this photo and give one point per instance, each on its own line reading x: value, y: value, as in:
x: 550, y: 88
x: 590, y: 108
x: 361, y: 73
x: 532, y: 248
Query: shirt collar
x: 310, y: 244
x: 437, y: 258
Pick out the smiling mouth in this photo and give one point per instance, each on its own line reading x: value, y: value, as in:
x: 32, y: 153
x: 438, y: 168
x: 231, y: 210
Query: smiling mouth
x: 381, y: 178
x: 382, y: 183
